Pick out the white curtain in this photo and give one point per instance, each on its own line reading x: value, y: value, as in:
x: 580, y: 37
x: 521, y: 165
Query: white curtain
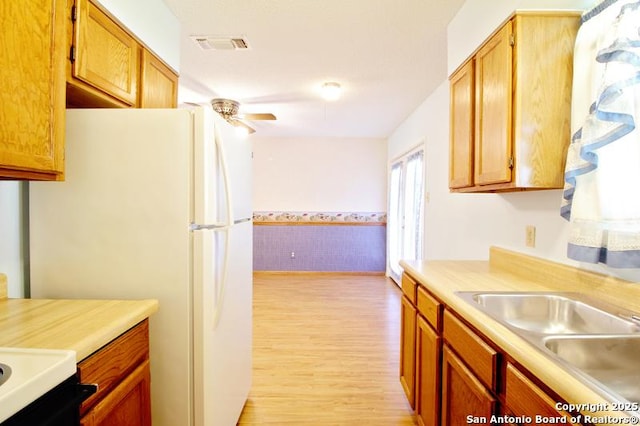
x: 413, y: 212
x: 601, y: 197
x: 394, y: 222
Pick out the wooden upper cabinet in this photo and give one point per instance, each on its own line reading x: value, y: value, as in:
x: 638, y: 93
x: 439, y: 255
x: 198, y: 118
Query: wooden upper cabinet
x: 158, y: 83
x: 109, y: 67
x: 493, y: 154
x: 542, y: 102
x: 32, y: 95
x: 462, y: 128
x: 521, y: 106
x: 106, y: 56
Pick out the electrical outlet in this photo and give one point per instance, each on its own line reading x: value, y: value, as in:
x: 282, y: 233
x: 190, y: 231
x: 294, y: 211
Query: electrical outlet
x: 530, y: 236
x: 293, y: 254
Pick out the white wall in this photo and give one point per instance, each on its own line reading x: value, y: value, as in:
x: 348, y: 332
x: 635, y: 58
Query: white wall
x: 327, y: 175
x: 11, y: 262
x: 153, y: 23
x: 464, y: 226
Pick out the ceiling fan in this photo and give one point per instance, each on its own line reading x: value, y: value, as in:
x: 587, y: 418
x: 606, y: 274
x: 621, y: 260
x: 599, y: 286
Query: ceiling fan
x: 228, y: 109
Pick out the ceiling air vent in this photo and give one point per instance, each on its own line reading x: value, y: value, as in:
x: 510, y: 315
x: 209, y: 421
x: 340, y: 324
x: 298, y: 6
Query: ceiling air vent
x: 221, y: 43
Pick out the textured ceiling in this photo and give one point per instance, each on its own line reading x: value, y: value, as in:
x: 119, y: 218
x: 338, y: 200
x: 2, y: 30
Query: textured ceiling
x: 388, y: 55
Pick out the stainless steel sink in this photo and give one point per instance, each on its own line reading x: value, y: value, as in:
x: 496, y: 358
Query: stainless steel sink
x: 596, y: 342
x: 553, y: 313
x: 612, y: 361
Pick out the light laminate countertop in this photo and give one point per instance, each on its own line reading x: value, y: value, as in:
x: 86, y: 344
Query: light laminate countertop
x: 83, y: 326
x: 510, y: 271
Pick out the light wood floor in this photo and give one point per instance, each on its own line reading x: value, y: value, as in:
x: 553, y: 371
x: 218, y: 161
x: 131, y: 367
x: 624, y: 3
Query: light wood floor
x: 326, y: 352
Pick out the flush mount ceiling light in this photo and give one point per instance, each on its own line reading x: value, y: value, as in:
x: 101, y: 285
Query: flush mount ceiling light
x: 331, y: 91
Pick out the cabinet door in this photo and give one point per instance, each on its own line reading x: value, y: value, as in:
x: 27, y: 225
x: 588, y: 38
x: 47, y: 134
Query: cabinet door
x: 114, y: 362
x: 128, y: 404
x: 32, y: 89
x: 106, y: 56
x: 493, y: 112
x: 408, y: 349
x: 428, y: 373
x: 543, y: 75
x: 461, y: 108
x: 158, y: 84
x: 524, y: 398
x: 463, y: 396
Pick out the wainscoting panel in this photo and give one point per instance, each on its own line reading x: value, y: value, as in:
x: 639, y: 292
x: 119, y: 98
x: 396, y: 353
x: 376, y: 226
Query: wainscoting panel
x: 314, y: 246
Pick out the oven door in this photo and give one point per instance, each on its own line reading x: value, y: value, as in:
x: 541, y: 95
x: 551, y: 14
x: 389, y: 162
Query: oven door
x: 58, y: 407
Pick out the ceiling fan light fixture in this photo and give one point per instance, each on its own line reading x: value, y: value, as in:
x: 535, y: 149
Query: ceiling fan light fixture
x: 228, y: 109
x: 241, y: 131
x: 331, y: 91
x: 225, y: 107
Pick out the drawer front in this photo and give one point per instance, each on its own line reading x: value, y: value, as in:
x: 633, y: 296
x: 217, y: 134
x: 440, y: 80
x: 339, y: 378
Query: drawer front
x: 409, y: 287
x: 481, y: 358
x: 114, y: 362
x: 430, y: 309
x: 525, y: 398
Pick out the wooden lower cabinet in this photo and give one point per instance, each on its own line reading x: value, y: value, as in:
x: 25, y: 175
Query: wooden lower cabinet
x: 127, y: 405
x: 121, y: 371
x: 428, y: 362
x: 464, y: 397
x: 408, y: 349
x: 453, y: 375
x: 523, y: 398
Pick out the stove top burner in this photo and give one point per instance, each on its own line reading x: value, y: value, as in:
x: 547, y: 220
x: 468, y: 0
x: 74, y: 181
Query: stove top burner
x: 5, y: 372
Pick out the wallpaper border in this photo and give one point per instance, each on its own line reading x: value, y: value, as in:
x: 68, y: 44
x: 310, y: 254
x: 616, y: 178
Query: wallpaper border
x: 324, y: 218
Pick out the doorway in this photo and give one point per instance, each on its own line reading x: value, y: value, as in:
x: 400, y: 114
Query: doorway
x: 405, y: 222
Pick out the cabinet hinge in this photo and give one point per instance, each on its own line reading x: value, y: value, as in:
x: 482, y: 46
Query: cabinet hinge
x: 512, y: 40
x: 74, y: 13
x: 72, y: 54
x: 511, y: 162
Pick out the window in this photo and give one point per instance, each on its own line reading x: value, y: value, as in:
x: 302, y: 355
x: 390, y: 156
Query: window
x: 405, y: 216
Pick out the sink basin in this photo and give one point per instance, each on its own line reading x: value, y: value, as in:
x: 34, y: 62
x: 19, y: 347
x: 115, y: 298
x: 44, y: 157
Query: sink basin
x: 612, y: 361
x: 28, y: 374
x: 552, y: 313
x: 597, y: 342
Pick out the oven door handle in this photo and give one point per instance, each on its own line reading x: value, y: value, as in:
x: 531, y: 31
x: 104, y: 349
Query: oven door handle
x: 82, y: 392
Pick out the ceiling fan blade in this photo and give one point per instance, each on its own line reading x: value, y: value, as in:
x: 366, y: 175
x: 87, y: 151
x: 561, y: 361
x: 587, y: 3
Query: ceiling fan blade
x: 257, y: 116
x: 238, y: 123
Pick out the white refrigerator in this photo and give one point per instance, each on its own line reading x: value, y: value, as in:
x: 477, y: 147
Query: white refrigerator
x: 157, y: 204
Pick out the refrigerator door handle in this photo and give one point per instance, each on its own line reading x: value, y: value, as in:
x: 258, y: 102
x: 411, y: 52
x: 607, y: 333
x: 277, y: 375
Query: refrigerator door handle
x: 225, y: 175
x: 214, y: 227
x: 223, y: 280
